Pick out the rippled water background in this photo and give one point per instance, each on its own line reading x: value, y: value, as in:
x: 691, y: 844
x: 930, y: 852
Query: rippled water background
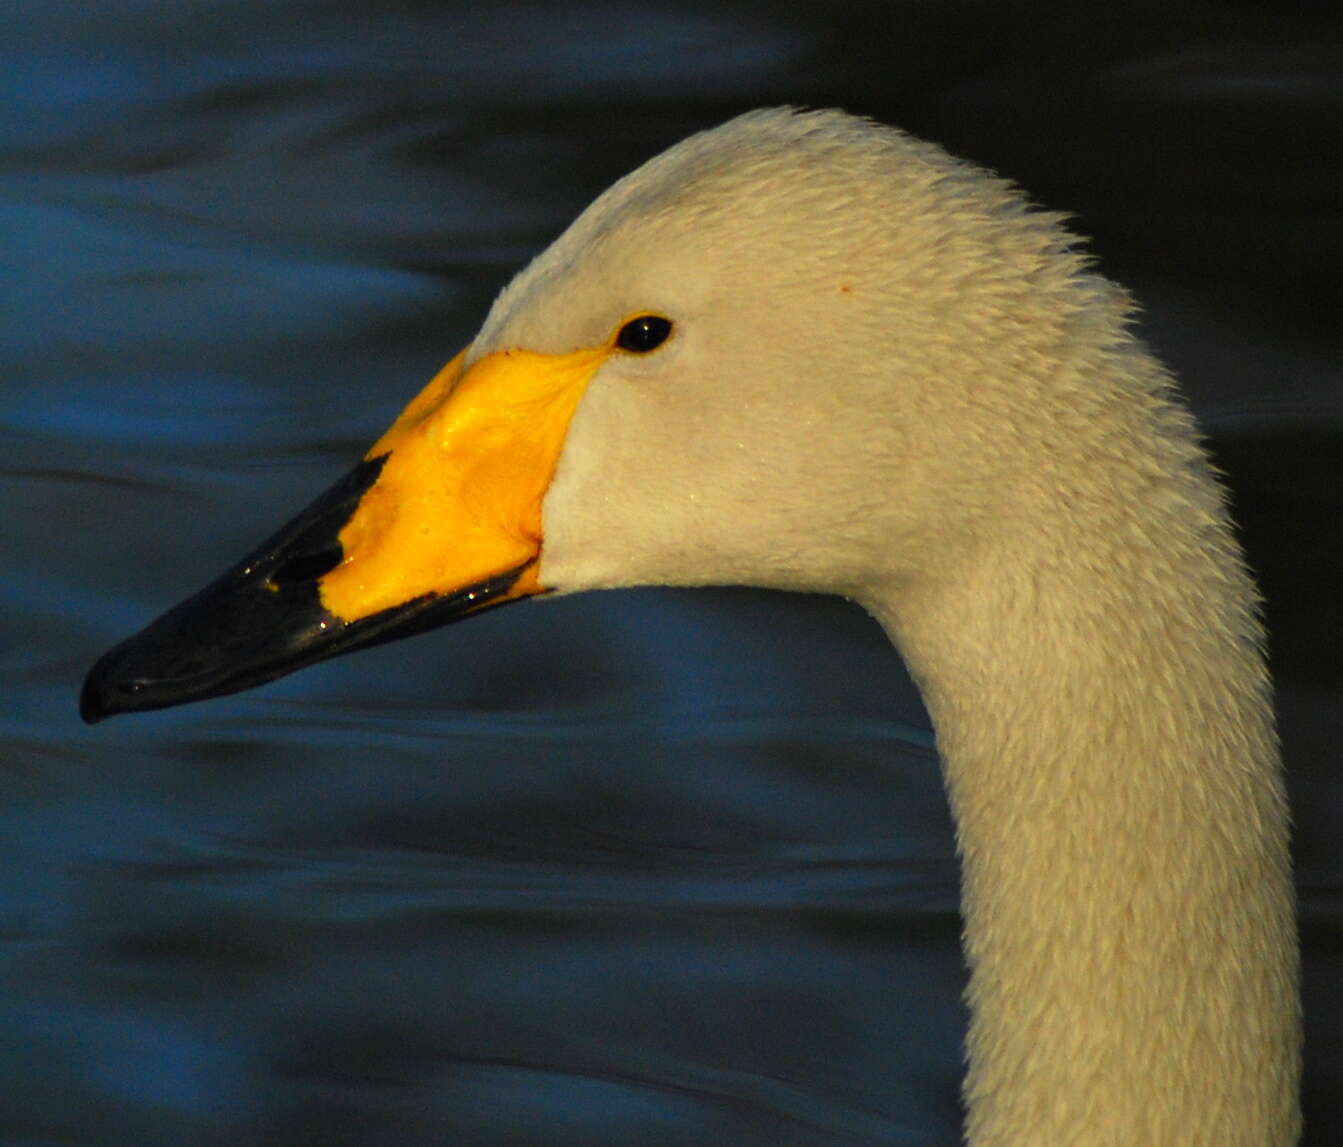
x: 637, y: 868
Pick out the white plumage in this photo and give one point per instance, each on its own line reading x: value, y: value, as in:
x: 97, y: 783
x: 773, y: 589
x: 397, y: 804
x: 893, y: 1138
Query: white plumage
x: 890, y: 378
x: 886, y: 377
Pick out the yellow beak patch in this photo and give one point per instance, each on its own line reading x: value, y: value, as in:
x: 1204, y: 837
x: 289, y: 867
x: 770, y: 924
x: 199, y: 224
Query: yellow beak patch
x: 458, y: 499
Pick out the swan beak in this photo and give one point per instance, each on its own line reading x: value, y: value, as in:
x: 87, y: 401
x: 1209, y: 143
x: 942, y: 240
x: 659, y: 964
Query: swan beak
x: 441, y: 519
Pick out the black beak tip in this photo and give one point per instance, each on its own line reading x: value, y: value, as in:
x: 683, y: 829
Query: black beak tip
x: 256, y: 622
x: 95, y: 700
x: 265, y: 618
x: 106, y: 692
x: 93, y: 705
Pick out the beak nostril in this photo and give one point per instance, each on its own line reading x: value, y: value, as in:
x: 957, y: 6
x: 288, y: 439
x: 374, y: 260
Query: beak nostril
x: 307, y: 567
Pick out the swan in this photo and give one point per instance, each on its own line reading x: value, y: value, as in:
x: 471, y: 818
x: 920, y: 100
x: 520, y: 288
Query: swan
x: 807, y: 351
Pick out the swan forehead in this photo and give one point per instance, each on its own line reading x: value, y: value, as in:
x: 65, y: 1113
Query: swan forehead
x: 817, y: 220
x: 770, y: 201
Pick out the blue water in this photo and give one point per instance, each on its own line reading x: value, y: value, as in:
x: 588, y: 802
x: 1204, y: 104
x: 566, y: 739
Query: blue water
x: 648, y: 867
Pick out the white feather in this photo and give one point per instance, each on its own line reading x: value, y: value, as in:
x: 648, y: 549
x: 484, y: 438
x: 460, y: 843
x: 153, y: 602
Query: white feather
x: 890, y: 378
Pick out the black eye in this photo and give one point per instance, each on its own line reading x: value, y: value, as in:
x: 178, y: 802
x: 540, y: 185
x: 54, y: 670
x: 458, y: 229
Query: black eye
x: 647, y: 332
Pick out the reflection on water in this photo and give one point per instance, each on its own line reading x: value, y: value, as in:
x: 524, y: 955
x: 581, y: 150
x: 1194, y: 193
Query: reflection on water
x: 654, y: 868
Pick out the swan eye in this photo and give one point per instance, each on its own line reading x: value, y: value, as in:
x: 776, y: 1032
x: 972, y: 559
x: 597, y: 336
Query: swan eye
x: 647, y: 332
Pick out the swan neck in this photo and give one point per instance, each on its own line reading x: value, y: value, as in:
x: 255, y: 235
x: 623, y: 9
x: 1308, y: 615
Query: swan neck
x: 1103, y: 715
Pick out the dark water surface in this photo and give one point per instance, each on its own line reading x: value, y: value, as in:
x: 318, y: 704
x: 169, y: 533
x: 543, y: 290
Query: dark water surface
x: 652, y: 867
